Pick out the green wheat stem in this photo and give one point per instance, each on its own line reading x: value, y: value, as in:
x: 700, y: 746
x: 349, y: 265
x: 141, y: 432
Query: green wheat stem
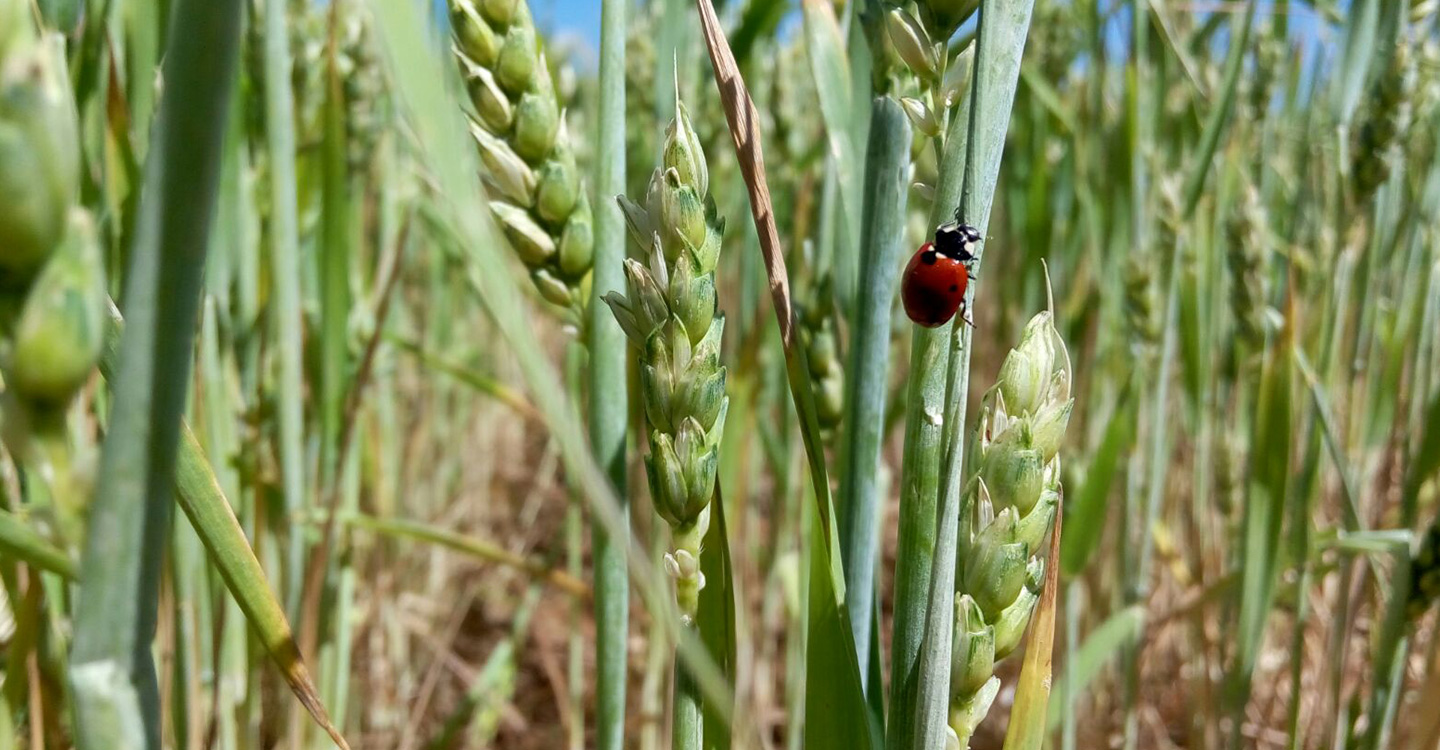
x: 575, y: 358
x: 288, y: 323
x: 999, y: 45
x: 920, y: 462
x: 19, y: 541
x: 608, y: 407
x: 887, y: 162
x: 920, y: 474
x: 111, y: 673
x: 1219, y: 115
x: 687, y: 720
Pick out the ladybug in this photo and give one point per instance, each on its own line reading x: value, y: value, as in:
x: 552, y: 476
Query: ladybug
x: 933, y: 287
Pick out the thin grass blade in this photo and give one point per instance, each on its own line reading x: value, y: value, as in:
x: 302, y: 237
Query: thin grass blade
x: 201, y: 498
x: 19, y: 541
x: 116, y: 699
x: 825, y: 45
x: 717, y: 618
x: 1120, y: 631
x: 867, y: 374
x: 1219, y: 116
x: 836, y: 714
x: 1264, y: 510
x: 1089, y: 511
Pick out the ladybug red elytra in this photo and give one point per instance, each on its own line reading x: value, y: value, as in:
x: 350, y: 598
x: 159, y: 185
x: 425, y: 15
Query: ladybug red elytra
x: 933, y: 287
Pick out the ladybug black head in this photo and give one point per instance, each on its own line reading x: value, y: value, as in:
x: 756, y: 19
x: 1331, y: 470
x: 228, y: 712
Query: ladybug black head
x: 957, y: 240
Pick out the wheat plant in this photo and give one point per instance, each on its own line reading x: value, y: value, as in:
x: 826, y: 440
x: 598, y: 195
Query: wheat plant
x: 466, y: 455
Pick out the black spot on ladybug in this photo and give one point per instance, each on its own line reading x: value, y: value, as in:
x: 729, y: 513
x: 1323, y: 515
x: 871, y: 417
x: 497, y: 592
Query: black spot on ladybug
x: 928, y: 258
x: 954, y: 287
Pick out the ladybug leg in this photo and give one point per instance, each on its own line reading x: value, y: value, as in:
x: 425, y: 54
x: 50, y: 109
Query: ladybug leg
x: 965, y: 316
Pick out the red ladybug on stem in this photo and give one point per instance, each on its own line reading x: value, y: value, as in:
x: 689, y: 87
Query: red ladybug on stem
x: 933, y: 287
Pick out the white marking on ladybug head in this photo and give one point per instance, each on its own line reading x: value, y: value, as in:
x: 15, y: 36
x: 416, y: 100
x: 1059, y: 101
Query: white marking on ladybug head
x: 971, y: 234
x: 957, y: 240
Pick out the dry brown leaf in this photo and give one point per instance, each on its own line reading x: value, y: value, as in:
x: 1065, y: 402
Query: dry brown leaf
x: 745, y: 132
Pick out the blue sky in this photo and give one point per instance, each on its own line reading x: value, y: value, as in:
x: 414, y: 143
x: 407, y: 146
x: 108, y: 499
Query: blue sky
x: 579, y: 14
x: 579, y: 17
x: 580, y: 20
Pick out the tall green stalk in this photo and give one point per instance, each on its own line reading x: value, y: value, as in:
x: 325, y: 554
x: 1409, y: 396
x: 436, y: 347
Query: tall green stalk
x: 926, y: 425
x: 18, y: 541
x: 608, y: 396
x: 920, y: 479
x: 999, y: 46
x: 288, y: 324
x: 887, y: 163
x: 111, y: 673
x: 668, y: 312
